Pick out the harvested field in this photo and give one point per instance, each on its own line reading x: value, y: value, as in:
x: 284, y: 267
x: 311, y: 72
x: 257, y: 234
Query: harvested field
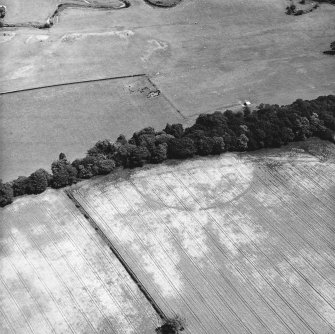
x: 37, y: 125
x: 58, y: 276
x: 242, y: 243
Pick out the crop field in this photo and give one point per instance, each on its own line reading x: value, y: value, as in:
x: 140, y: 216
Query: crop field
x: 35, y: 126
x: 58, y: 276
x: 242, y: 243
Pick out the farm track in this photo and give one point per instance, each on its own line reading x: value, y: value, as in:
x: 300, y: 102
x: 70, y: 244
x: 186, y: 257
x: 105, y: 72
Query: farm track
x: 274, y: 271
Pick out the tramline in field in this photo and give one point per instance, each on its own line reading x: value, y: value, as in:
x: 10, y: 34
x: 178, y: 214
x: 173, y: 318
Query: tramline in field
x: 58, y: 276
x: 236, y: 244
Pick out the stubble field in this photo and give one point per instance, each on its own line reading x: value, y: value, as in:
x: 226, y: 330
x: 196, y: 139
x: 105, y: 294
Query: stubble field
x: 235, y: 244
x: 58, y: 276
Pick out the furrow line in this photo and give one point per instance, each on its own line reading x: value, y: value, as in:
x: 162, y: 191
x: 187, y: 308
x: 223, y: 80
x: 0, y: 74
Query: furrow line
x: 118, y: 255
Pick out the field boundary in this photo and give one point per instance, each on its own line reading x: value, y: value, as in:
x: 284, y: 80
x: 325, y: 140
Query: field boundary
x: 104, y: 237
x: 167, y: 99
x: 97, y: 80
x: 50, y: 21
x: 74, y: 83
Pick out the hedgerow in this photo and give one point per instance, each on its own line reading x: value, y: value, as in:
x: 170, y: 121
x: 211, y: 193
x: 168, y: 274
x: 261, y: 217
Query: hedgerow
x: 212, y: 134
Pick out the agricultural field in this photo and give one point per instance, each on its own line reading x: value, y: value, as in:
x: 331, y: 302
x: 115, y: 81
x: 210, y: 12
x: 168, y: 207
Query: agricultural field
x: 58, y: 276
x: 39, y: 10
x: 29, y: 11
x: 37, y: 125
x: 202, y: 55
x: 241, y: 243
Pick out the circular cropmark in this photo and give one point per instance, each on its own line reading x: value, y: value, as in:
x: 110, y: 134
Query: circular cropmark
x: 197, y: 186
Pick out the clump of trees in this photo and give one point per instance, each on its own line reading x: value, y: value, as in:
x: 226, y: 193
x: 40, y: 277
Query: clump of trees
x: 173, y: 325
x: 211, y: 134
x: 332, y: 49
x: 2, y: 15
x: 6, y: 193
x: 293, y: 10
x: 2, y: 12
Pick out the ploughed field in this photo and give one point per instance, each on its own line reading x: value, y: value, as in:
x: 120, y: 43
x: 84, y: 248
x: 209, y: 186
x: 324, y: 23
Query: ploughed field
x: 58, y: 276
x: 241, y: 243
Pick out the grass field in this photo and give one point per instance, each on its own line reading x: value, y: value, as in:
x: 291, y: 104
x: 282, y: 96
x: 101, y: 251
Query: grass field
x: 40, y: 10
x: 203, y: 55
x: 58, y: 276
x: 35, y: 126
x: 29, y: 11
x: 235, y: 244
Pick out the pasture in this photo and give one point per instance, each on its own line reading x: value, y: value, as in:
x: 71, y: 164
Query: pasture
x: 37, y: 125
x: 241, y: 243
x: 203, y: 55
x: 58, y: 276
x: 39, y: 10
x: 29, y: 11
